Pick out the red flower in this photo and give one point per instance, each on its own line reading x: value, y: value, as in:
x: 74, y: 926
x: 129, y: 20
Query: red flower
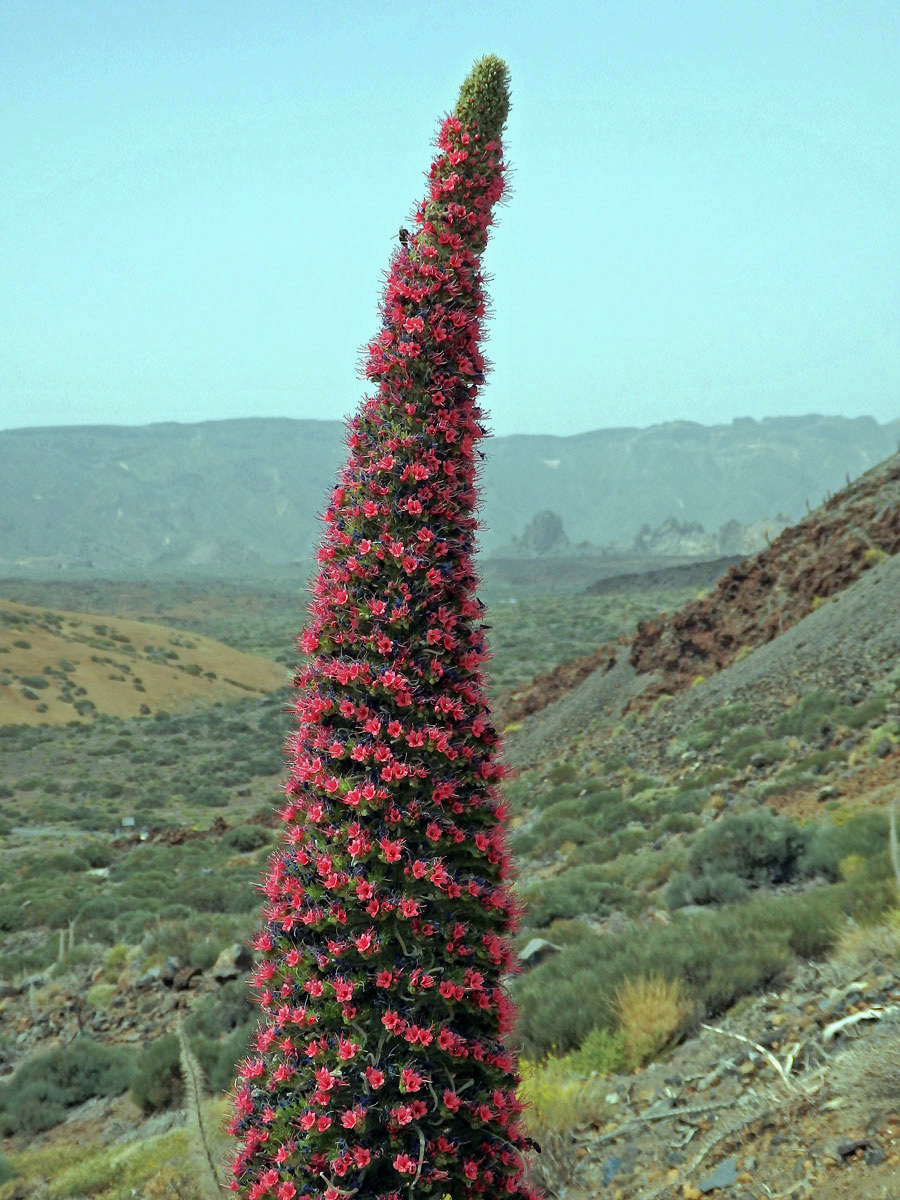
x: 375, y: 1077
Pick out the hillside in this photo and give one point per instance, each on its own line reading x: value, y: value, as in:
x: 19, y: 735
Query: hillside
x: 57, y: 667
x: 753, y: 602
x: 151, y: 498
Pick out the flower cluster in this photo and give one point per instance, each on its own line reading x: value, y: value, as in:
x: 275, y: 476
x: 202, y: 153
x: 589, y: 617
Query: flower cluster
x: 380, y: 1068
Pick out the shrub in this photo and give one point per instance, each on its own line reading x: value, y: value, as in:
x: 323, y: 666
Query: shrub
x: 750, y: 735
x: 602, y: 1052
x: 558, y: 1099
x: 156, y: 1082
x: 562, y: 773
x: 808, y: 717
x: 46, y: 1085
x: 754, y: 847
x: 100, y: 995
x: 36, y: 681
x: 247, y: 837
x: 204, y: 954
x: 864, y: 834
x: 581, y: 891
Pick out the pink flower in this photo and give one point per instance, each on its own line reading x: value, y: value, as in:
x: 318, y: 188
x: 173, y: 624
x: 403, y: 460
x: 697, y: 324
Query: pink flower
x: 410, y: 1080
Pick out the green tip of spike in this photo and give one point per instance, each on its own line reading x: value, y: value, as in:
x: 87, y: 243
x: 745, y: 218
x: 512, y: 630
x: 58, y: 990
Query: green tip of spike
x: 484, y: 96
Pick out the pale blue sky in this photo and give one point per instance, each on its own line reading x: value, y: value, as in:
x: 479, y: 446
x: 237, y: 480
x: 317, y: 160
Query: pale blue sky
x: 198, y: 199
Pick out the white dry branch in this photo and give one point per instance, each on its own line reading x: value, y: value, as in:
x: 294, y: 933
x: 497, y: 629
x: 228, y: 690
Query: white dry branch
x: 767, y: 1054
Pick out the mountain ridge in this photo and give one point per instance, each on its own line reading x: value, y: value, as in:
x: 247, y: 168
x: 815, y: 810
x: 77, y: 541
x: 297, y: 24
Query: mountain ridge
x: 246, y: 491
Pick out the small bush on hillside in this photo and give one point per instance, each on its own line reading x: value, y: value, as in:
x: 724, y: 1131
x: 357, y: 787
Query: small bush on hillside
x: 247, y: 837
x: 757, y: 846
x: 156, y: 1082
x: 808, y: 717
x: 13, y: 916
x: 750, y: 735
x: 46, y: 1085
x: 582, y: 891
x: 204, y: 954
x: 562, y: 773
x: 651, y: 1012
x: 859, y: 715
x: 739, y: 852
x: 602, y: 1052
x: 865, y: 834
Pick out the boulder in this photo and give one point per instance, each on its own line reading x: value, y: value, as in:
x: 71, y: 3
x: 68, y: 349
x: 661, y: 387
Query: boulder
x: 536, y: 951
x: 232, y: 963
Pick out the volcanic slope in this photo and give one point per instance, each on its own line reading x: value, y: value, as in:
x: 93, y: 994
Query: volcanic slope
x: 58, y: 666
x: 754, y: 602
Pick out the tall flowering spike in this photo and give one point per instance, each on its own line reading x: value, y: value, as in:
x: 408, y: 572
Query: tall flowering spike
x: 379, y: 1069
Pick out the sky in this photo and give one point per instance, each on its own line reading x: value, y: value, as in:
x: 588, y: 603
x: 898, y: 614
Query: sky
x: 198, y: 202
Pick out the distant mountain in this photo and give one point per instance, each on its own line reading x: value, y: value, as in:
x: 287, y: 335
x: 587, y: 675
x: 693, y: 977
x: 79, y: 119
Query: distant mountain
x: 234, y: 496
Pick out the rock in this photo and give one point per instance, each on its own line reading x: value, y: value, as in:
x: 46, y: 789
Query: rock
x: 844, y: 1150
x: 182, y: 978
x: 149, y: 978
x: 874, y: 1155
x: 610, y: 1168
x: 536, y: 951
x: 168, y: 970
x: 724, y: 1176
x: 232, y: 963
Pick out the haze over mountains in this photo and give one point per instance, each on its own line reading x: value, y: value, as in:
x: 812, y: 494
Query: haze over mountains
x: 237, y: 495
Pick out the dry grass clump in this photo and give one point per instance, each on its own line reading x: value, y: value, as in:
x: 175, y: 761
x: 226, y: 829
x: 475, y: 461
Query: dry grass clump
x: 868, y: 1072
x: 859, y: 945
x: 557, y: 1101
x: 651, y: 1012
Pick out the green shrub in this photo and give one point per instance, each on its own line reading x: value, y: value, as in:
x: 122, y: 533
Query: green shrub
x: 218, y: 1056
x: 7, y: 1170
x: 36, y: 681
x: 247, y: 837
x: 750, y: 735
x: 204, y: 954
x: 755, y: 847
x: 583, y: 890
x: 602, y: 1052
x: 770, y: 751
x: 809, y: 717
x: 13, y: 916
x: 861, y: 714
x: 562, y: 773
x: 46, y: 1085
x: 156, y: 1082
x: 865, y: 834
